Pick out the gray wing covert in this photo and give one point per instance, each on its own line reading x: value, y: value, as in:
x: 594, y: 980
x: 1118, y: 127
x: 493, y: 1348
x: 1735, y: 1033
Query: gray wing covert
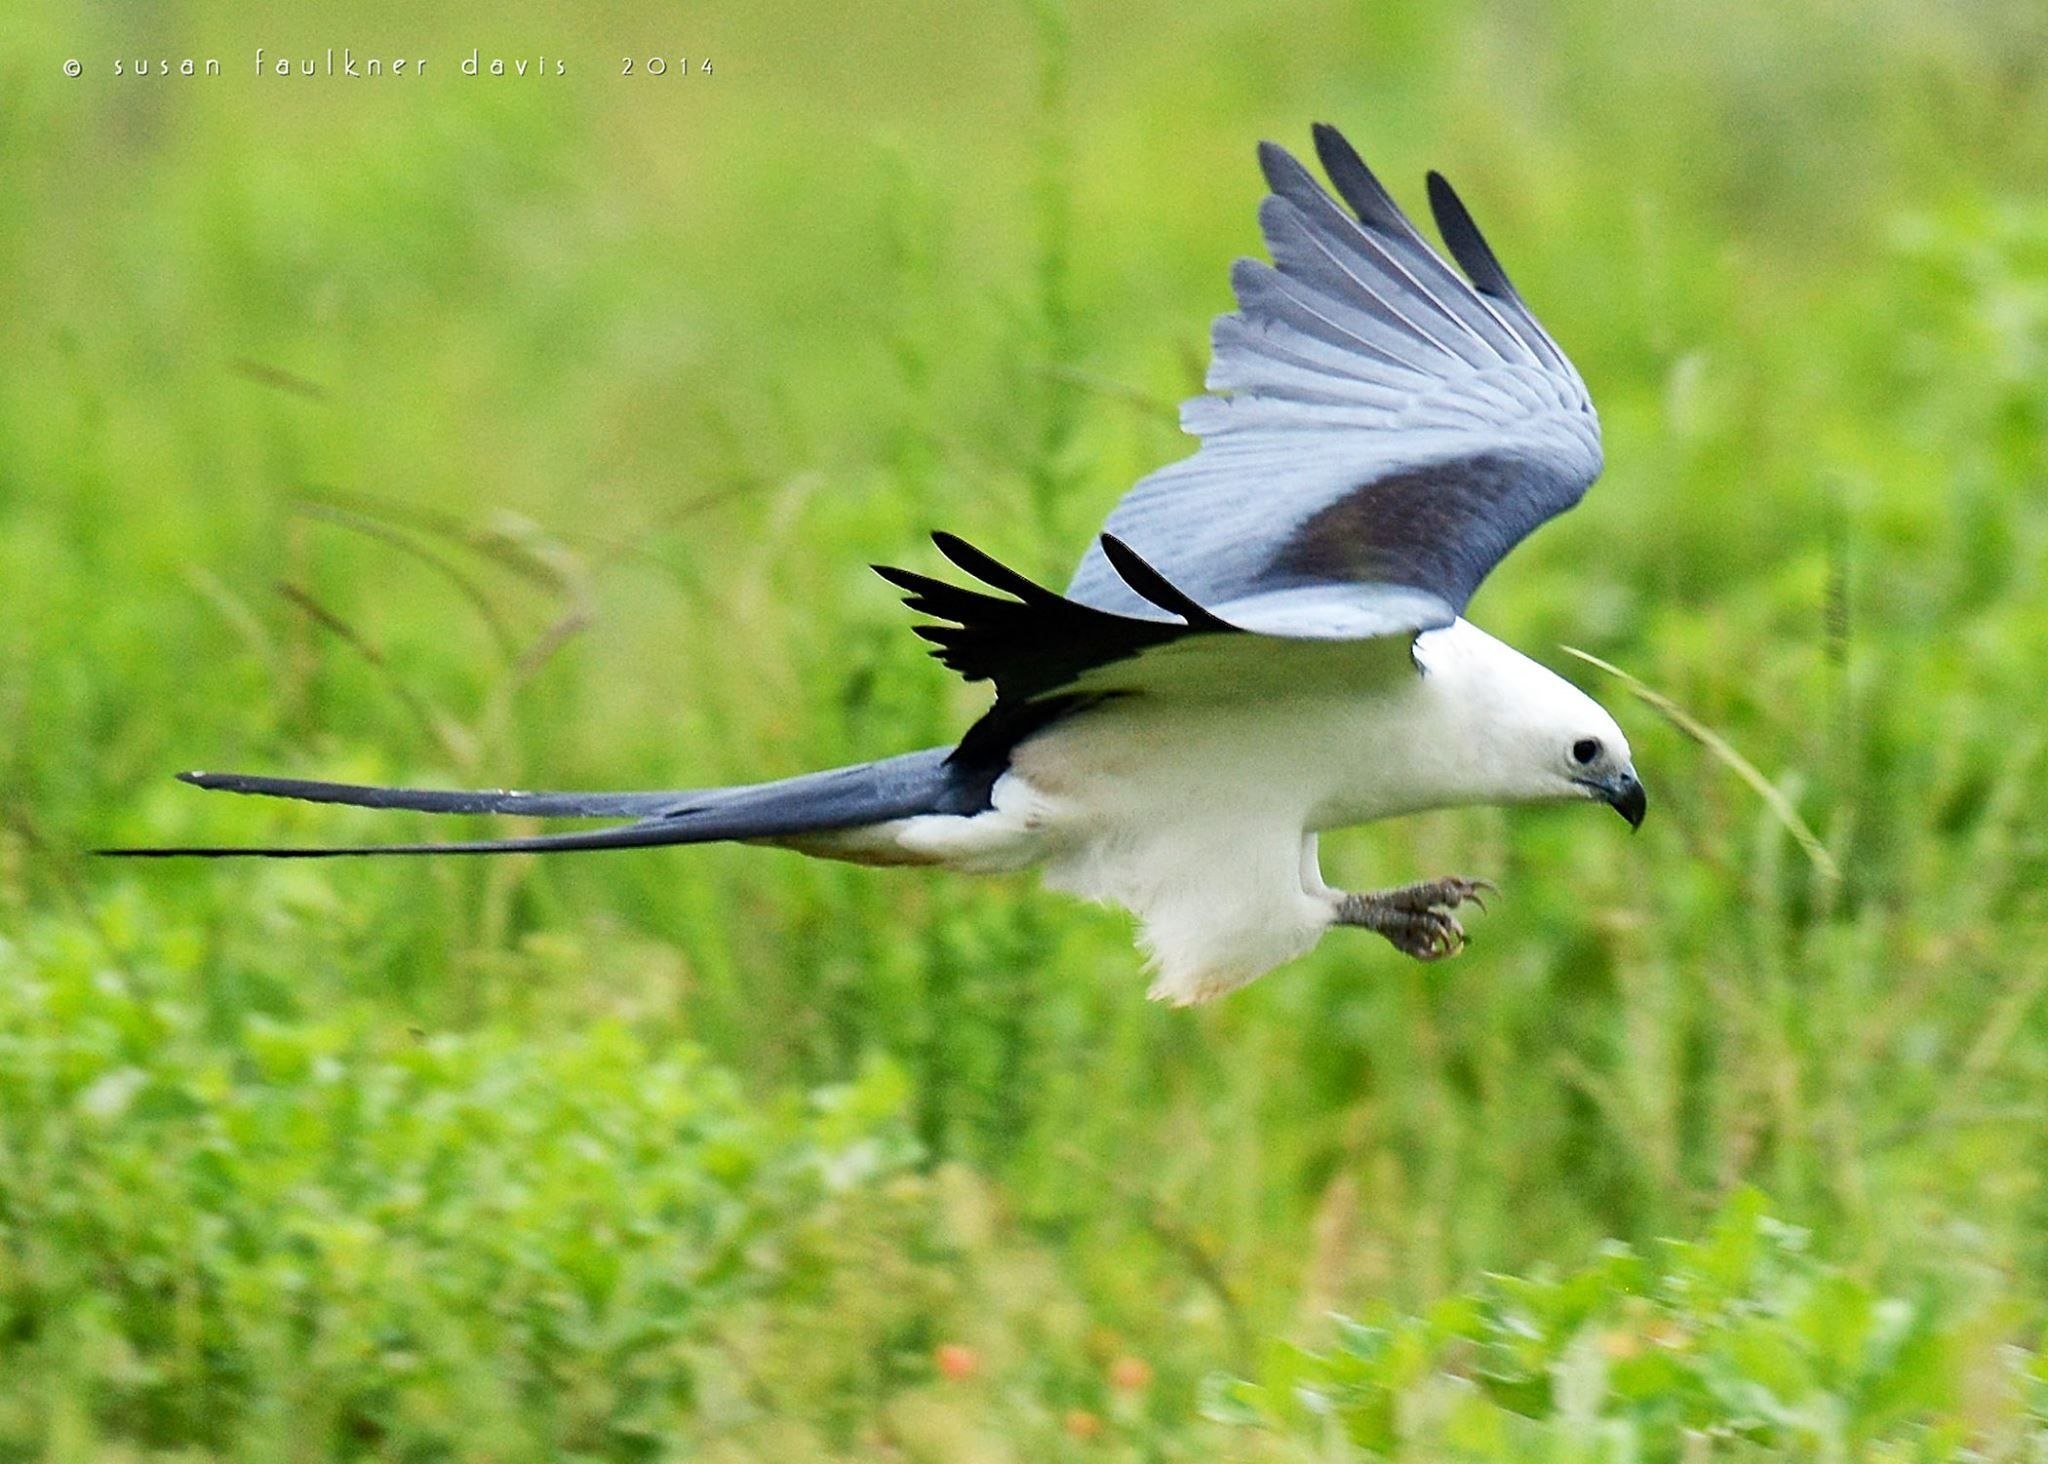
x: 1380, y: 432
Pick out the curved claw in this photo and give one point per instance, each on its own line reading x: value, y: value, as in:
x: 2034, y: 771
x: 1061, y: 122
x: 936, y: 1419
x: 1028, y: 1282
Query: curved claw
x: 1473, y: 891
x: 1416, y: 919
x: 1441, y: 936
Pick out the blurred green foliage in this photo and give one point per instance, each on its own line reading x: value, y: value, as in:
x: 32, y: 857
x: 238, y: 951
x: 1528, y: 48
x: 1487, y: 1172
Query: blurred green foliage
x: 539, y: 432
x: 1740, y: 1345
x: 328, y: 1233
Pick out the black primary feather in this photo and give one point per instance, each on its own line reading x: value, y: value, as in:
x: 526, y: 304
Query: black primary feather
x: 1467, y: 245
x: 1155, y: 586
x: 1032, y: 641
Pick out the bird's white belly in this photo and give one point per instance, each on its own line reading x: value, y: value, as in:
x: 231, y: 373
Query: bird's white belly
x: 1193, y: 818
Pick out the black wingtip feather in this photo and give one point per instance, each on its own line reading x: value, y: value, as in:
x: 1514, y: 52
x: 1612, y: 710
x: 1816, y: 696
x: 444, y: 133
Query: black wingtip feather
x: 1156, y: 587
x: 908, y: 580
x: 990, y: 570
x: 1357, y: 184
x: 1462, y: 237
x: 1278, y: 164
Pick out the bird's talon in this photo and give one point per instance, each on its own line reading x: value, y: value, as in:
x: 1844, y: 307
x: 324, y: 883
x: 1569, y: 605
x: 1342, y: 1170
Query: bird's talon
x: 1417, y: 919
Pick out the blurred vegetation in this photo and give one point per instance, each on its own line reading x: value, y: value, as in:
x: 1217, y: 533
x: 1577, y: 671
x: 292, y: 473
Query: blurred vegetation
x: 538, y: 432
x: 1740, y: 1345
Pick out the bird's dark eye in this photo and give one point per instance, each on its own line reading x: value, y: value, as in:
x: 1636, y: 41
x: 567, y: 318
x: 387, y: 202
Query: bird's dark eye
x: 1584, y: 751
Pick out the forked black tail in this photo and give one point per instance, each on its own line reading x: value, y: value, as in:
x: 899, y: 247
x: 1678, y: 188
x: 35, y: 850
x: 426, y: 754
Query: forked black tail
x: 849, y: 797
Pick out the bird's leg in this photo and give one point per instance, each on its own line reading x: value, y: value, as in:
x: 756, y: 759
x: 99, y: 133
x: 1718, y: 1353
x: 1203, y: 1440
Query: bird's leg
x: 1416, y: 918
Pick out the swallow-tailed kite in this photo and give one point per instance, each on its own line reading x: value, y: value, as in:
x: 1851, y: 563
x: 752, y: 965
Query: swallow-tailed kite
x: 1266, y: 641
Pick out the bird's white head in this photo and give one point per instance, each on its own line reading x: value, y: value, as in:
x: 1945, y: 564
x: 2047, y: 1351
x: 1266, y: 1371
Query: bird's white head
x: 1520, y: 732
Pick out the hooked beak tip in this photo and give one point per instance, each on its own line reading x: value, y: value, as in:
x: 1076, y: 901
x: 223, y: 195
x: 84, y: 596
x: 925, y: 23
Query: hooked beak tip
x: 1627, y: 798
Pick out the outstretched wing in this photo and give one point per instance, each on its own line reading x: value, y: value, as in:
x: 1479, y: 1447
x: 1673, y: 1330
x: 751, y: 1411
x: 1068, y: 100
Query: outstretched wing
x: 1382, y: 431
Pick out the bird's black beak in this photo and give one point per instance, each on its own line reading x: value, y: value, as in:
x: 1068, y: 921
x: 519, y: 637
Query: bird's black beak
x: 1624, y: 794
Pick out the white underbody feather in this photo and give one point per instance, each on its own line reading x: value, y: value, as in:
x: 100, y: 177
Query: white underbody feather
x: 1199, y: 814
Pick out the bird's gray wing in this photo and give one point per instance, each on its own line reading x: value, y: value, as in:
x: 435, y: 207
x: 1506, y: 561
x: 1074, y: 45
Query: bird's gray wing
x: 1380, y: 432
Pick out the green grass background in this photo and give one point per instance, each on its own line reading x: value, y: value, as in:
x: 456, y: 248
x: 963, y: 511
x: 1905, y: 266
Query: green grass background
x: 539, y: 432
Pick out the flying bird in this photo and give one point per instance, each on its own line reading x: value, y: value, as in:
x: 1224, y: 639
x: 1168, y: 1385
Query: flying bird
x: 1266, y: 641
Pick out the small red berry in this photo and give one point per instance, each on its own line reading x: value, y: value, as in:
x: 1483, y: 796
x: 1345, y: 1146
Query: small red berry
x: 956, y: 1361
x: 1130, y: 1374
